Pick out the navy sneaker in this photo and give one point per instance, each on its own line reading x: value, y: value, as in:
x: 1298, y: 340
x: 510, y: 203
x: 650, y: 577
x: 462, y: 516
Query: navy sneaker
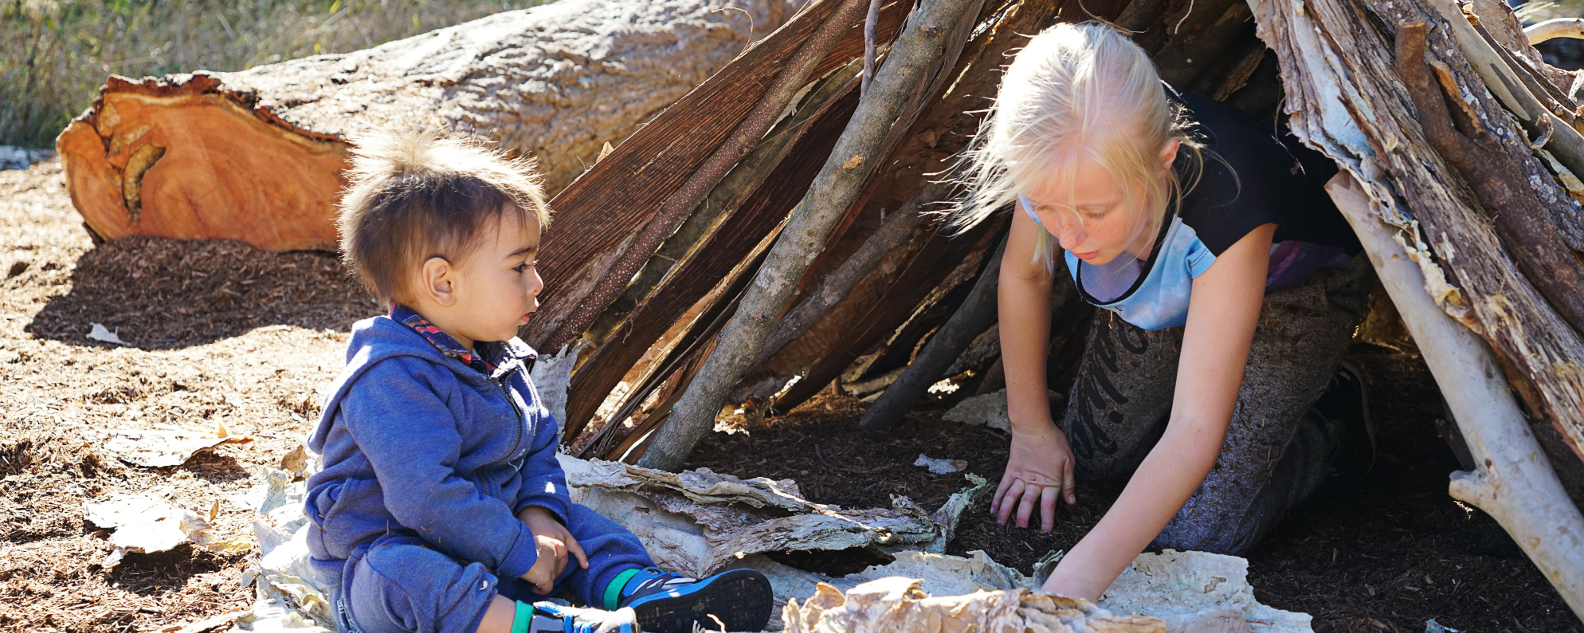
x: 739, y: 600
x: 549, y: 616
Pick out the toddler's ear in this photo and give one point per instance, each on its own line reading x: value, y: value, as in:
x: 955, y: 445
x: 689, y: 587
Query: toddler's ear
x: 437, y: 281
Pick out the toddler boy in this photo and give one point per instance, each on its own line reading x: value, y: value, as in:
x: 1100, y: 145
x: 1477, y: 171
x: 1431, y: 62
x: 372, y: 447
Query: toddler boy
x: 441, y: 506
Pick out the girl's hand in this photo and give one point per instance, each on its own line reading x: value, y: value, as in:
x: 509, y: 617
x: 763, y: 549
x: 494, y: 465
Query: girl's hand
x: 1039, y: 469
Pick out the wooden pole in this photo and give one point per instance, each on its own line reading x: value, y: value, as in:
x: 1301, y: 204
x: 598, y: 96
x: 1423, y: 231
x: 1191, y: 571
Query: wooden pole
x: 975, y: 314
x: 836, y: 187
x: 1514, y: 482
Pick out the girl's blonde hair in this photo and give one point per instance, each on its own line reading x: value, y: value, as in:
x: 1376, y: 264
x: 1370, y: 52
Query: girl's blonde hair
x: 1075, y: 93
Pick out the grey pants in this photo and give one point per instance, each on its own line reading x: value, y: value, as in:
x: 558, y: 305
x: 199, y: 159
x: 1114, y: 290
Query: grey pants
x: 1276, y: 450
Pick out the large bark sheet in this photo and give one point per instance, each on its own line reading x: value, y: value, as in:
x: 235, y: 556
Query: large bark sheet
x: 257, y: 155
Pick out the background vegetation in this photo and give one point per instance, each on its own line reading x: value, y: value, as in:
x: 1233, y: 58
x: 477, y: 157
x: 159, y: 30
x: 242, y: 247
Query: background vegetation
x: 54, y: 54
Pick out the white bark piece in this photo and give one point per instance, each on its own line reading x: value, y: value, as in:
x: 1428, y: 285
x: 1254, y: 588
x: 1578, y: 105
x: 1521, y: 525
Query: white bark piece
x: 1198, y: 591
x: 698, y: 522
x: 988, y: 410
x: 551, y: 376
x: 103, y: 334
x: 144, y: 524
x: 156, y: 448
x: 940, y: 466
x: 898, y: 604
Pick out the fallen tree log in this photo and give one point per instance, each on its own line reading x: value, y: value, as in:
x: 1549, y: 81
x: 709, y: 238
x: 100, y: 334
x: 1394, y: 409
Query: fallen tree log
x: 257, y: 155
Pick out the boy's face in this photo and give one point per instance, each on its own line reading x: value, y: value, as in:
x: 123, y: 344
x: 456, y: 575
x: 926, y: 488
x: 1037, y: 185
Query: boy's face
x: 497, y: 287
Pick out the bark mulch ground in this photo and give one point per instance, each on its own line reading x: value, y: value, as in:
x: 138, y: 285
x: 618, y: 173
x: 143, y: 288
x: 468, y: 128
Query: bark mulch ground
x: 221, y: 333
x: 1382, y: 550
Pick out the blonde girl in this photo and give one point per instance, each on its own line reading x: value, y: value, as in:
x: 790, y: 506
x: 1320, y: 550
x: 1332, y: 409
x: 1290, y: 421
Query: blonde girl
x: 1183, y: 219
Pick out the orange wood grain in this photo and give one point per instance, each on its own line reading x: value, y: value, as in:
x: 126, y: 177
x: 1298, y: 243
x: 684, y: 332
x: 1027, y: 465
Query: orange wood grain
x: 227, y: 171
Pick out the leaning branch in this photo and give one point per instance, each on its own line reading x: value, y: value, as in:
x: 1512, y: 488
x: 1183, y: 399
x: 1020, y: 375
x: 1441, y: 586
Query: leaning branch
x: 1469, y: 146
x: 1514, y: 482
x: 975, y: 314
x: 833, y: 192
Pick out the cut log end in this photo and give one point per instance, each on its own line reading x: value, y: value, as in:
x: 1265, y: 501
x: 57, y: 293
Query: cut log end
x: 208, y: 163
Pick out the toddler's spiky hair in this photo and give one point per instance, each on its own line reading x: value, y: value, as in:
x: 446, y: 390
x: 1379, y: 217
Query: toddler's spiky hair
x: 412, y: 196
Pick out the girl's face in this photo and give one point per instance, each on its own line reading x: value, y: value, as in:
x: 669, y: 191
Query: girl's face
x: 1090, y: 214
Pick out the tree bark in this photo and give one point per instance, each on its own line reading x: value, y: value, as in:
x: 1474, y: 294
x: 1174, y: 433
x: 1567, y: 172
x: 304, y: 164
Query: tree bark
x: 794, y: 74
x: 257, y: 155
x: 599, y: 213
x: 896, y: 231
x: 811, y: 131
x: 975, y: 314
x: 922, y: 42
x: 865, y: 314
x: 1502, y: 190
x: 1348, y: 102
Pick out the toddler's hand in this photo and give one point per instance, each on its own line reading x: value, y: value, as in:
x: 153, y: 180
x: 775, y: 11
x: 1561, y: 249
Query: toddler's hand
x: 553, y: 542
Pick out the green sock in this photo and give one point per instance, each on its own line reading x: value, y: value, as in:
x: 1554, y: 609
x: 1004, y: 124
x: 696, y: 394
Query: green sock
x: 613, y: 590
x: 523, y: 619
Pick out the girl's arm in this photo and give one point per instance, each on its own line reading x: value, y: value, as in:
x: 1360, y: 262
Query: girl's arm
x: 1222, y: 312
x: 1039, y: 467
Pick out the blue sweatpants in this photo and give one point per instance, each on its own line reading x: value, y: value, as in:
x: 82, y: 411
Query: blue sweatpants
x: 399, y: 584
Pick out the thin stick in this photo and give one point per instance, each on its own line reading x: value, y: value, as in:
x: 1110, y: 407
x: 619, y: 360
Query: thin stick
x: 869, y: 46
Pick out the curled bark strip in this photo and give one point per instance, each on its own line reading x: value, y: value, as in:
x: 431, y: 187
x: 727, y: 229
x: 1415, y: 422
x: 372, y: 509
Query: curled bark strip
x: 1525, y: 227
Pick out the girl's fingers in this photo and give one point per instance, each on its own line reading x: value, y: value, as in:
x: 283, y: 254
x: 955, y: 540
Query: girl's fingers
x: 1069, y: 483
x: 995, y: 501
x: 1026, y: 504
x: 1048, y: 508
x: 1013, y: 493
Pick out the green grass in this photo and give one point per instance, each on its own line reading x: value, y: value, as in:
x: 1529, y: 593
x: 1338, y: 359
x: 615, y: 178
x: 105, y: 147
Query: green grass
x: 55, y: 54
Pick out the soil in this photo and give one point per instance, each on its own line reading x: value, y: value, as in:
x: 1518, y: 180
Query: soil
x: 221, y: 333
x: 1382, y: 548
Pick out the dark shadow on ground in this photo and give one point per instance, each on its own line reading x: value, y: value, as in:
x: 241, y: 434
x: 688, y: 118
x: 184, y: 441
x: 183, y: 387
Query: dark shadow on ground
x: 160, y: 293
x: 163, y: 572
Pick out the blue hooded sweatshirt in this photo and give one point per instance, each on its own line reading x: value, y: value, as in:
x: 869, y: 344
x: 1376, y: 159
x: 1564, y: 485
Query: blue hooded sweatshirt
x: 418, y: 442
